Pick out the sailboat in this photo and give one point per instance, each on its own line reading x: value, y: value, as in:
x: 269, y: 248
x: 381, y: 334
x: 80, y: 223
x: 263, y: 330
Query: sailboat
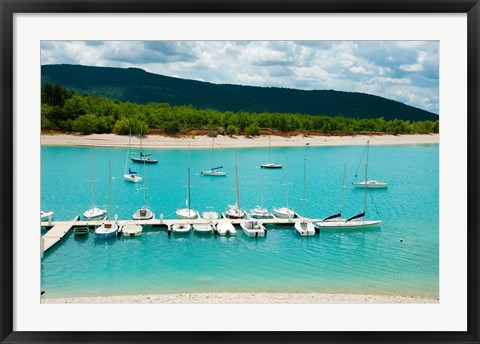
x: 235, y: 211
x: 369, y: 183
x: 144, y: 158
x: 130, y: 176
x: 354, y: 222
x: 270, y: 164
x: 108, y: 229
x: 259, y: 212
x: 214, y: 171
x: 285, y: 212
x: 338, y: 216
x: 187, y: 213
x: 144, y: 213
x: 94, y: 213
x: 304, y: 227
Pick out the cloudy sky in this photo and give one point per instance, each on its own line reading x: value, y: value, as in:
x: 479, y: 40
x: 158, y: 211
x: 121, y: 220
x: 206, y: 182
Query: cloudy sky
x: 406, y: 71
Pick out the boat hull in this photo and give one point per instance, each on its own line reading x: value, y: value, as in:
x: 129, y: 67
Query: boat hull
x: 144, y: 161
x: 95, y: 214
x: 106, y: 231
x: 203, y: 228
x: 351, y: 225
x: 80, y: 231
x: 180, y: 228
x: 253, y: 229
x: 271, y: 166
x: 370, y: 185
x: 143, y: 214
x: 131, y: 230
x: 45, y: 215
x: 213, y: 173
x: 284, y: 213
x: 210, y: 215
x: 305, y: 228
x: 186, y: 214
x: 225, y: 228
x: 132, y: 178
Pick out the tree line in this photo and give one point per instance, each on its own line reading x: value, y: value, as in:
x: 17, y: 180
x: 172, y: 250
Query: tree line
x: 66, y: 110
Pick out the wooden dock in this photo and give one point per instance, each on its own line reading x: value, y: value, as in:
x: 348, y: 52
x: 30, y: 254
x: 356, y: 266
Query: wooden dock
x: 56, y: 232
x: 58, y: 229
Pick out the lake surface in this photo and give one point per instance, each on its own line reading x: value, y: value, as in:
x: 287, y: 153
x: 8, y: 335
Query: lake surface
x: 401, y: 257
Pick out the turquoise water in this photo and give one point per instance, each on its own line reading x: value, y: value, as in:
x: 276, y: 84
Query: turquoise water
x: 362, y: 261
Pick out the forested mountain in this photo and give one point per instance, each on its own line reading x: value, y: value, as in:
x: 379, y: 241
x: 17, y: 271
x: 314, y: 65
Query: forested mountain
x: 138, y: 86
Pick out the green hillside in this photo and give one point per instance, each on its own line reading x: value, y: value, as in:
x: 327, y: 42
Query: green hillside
x: 138, y: 86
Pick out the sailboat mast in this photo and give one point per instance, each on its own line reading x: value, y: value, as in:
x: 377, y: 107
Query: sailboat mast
x: 211, y: 163
x: 263, y: 184
x: 236, y: 185
x: 343, y: 187
x: 286, y: 188
x: 366, y: 179
x: 304, y: 184
x: 269, y: 148
x: 144, y: 185
x: 110, y: 189
x: 91, y: 177
x: 188, y: 182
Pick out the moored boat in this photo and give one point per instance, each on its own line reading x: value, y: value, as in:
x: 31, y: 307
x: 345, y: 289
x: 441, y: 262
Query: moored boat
x: 180, y: 227
x: 226, y: 227
x: 203, y: 228
x: 46, y: 215
x: 131, y: 230
x: 80, y: 231
x: 252, y: 228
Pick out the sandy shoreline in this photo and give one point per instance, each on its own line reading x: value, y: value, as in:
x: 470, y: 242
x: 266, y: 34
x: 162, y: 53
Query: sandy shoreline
x: 242, y: 298
x: 157, y: 141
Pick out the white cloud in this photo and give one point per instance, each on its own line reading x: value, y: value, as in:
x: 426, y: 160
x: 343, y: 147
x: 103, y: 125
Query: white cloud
x: 411, y: 67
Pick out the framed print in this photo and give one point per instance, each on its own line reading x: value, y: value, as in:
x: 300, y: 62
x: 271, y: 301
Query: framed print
x: 239, y: 171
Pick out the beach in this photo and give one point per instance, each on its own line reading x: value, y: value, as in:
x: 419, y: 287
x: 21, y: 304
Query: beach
x: 243, y: 298
x: 224, y: 141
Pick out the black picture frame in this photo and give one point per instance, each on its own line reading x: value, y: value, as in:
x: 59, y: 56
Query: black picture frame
x: 10, y: 7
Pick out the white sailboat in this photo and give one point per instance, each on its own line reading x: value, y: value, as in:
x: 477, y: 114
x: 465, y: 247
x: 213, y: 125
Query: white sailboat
x: 259, y: 212
x: 94, y: 213
x: 354, y: 222
x: 214, y: 171
x: 270, y: 164
x: 235, y: 211
x: 144, y: 213
x: 369, y: 183
x: 108, y: 229
x: 304, y: 227
x: 338, y: 216
x: 187, y: 213
x: 129, y: 175
x: 285, y: 212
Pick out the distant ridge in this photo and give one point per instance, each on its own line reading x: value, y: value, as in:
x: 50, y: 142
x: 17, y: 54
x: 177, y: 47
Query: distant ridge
x: 138, y: 86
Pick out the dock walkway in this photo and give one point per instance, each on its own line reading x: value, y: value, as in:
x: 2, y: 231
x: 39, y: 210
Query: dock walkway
x: 58, y: 229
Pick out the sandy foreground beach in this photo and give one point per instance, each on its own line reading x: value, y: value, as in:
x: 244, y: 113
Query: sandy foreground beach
x: 243, y: 298
x: 204, y: 141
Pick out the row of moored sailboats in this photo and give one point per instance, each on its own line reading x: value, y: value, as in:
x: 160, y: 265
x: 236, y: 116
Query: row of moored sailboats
x: 251, y: 222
